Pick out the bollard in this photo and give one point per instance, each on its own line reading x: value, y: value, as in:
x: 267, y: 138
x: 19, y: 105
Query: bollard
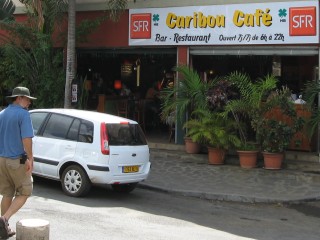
x: 32, y: 229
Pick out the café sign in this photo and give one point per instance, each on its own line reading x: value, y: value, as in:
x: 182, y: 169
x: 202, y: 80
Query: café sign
x: 234, y: 24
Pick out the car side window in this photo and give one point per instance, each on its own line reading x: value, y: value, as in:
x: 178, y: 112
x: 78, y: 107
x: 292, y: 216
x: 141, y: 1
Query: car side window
x: 58, y: 126
x: 86, y: 132
x: 37, y: 120
x: 73, y: 131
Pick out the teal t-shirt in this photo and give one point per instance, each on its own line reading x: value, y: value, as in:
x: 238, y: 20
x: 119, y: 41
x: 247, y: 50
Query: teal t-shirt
x: 15, y: 125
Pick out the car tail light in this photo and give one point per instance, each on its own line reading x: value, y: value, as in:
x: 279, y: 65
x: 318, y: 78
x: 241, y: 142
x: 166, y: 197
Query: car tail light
x: 104, y: 139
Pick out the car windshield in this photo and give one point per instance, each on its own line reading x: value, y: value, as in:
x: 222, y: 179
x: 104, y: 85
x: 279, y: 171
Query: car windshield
x: 125, y: 134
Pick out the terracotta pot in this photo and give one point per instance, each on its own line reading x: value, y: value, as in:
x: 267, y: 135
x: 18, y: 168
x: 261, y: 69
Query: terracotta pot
x: 191, y: 146
x: 216, y: 156
x: 273, y: 160
x: 248, y: 159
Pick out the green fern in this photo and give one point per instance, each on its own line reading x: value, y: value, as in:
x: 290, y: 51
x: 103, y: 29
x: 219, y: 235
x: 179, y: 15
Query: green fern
x: 7, y: 9
x: 211, y: 128
x: 187, y: 94
x: 311, y: 93
x: 251, y: 104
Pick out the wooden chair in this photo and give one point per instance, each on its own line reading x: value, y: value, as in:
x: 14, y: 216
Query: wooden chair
x: 140, y: 114
x: 137, y: 111
x: 170, y: 120
x: 122, y: 108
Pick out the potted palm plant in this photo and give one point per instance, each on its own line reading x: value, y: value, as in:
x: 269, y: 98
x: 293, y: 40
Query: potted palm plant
x: 248, y: 110
x: 272, y: 115
x: 186, y: 95
x: 215, y: 131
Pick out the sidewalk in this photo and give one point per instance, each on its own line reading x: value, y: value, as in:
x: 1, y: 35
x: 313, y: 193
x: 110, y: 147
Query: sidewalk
x: 177, y: 172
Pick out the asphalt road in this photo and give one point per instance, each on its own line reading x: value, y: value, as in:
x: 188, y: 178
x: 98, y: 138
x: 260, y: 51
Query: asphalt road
x: 149, y: 215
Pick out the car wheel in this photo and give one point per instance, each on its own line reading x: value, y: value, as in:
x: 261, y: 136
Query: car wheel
x: 124, y: 188
x: 75, y: 181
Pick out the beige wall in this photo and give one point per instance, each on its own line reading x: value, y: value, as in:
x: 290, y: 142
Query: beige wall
x: 91, y: 5
x: 177, y: 3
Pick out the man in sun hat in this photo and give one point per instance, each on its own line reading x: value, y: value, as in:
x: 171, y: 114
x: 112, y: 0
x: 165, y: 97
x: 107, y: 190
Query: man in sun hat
x: 16, y: 157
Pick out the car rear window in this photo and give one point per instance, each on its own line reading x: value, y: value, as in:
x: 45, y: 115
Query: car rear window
x: 125, y: 134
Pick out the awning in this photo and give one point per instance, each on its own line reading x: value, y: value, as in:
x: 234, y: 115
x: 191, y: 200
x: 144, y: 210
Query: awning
x: 256, y: 50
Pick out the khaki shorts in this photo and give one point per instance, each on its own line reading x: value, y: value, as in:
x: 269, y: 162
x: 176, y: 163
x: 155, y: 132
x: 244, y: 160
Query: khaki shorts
x: 14, y: 181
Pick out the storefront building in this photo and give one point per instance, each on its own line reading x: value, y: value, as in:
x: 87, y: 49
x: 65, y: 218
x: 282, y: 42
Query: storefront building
x: 217, y: 38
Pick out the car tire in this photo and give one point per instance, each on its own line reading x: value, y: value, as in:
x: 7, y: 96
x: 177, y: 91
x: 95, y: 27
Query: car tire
x: 75, y: 182
x: 124, y: 188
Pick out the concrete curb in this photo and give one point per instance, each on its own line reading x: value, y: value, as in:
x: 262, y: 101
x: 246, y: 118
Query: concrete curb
x: 226, y: 197
x: 186, y: 175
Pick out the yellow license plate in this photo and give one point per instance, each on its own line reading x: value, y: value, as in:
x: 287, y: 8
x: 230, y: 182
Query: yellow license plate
x: 130, y: 169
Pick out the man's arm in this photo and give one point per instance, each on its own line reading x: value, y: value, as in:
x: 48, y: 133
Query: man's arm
x: 27, y: 144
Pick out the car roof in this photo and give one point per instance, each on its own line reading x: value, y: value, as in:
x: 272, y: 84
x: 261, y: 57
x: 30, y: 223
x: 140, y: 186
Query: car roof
x: 87, y: 115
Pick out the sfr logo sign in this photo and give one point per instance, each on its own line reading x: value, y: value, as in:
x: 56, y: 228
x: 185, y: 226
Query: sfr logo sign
x: 302, y: 21
x: 140, y: 27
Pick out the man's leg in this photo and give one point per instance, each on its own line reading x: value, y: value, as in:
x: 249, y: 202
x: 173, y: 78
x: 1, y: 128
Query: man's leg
x: 10, y: 206
x: 14, y: 181
x: 5, y: 204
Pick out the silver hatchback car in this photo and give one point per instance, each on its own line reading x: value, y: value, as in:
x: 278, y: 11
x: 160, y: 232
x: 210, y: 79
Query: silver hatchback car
x: 83, y: 148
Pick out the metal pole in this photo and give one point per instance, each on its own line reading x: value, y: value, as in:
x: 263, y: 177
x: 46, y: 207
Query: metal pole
x: 318, y: 80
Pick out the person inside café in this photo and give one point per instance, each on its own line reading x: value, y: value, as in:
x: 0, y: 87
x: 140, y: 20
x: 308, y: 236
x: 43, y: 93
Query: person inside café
x: 125, y: 91
x: 152, y: 106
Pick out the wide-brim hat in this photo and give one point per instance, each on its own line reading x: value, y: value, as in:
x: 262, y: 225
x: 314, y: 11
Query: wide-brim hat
x: 20, y: 91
